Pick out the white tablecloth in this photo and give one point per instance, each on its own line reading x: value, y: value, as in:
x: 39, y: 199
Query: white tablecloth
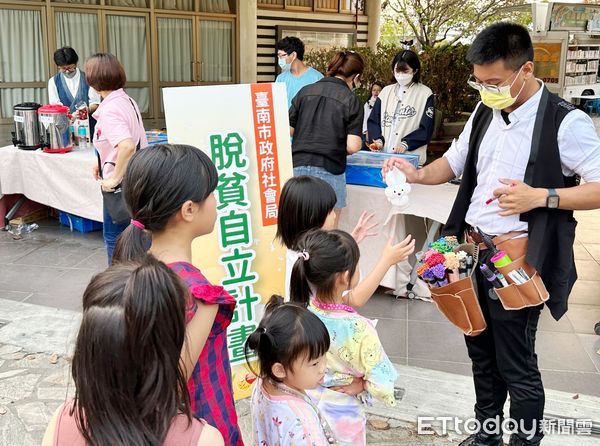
x: 426, y: 202
x: 62, y: 181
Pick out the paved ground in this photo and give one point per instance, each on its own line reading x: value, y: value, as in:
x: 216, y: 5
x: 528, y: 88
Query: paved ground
x: 42, y: 278
x: 52, y: 266
x: 35, y: 348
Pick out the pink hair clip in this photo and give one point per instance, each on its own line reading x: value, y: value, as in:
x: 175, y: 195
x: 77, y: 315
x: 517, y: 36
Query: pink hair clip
x: 304, y: 255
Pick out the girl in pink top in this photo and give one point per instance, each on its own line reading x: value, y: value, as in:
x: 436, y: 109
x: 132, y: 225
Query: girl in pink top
x: 118, y: 134
x: 130, y: 389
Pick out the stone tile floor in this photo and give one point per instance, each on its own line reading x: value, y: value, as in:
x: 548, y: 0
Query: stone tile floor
x: 51, y: 267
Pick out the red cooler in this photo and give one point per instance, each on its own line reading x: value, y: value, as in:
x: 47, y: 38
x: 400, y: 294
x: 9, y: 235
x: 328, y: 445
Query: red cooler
x: 55, y: 131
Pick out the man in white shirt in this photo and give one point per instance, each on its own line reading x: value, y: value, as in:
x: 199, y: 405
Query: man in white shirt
x: 69, y: 86
x: 521, y: 156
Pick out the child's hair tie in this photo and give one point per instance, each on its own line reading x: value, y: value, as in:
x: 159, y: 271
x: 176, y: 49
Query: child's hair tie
x: 304, y: 255
x: 138, y: 224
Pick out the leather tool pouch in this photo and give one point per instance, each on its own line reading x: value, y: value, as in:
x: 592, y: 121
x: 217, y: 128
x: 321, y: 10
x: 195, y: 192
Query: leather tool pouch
x: 529, y: 294
x: 458, y: 300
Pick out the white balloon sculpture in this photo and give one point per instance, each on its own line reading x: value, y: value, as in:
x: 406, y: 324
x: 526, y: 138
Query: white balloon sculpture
x: 398, y: 189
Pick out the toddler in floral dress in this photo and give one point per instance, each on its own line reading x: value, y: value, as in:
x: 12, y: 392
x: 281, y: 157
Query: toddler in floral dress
x: 290, y: 343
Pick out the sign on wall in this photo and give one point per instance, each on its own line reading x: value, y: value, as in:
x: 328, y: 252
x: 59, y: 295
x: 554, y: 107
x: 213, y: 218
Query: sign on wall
x: 245, y: 131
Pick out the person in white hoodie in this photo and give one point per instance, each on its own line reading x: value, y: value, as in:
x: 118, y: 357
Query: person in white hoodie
x: 402, y: 119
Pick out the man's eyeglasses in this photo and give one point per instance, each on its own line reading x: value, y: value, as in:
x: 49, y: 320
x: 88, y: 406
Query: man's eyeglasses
x: 67, y: 68
x: 479, y: 86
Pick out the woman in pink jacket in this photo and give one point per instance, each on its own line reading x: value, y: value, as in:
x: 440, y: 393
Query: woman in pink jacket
x: 119, y: 131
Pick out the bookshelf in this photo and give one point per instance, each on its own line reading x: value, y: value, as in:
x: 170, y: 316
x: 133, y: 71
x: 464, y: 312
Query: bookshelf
x: 583, y: 62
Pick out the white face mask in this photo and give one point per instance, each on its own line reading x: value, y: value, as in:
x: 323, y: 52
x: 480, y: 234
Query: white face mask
x: 71, y: 74
x: 283, y: 65
x: 403, y: 78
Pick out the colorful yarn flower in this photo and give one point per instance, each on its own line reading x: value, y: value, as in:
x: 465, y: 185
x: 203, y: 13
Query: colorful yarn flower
x: 430, y: 252
x: 435, y: 259
x: 461, y: 255
x: 452, y: 241
x: 421, y: 269
x: 451, y: 260
x: 439, y: 271
x: 441, y: 246
x: 428, y: 275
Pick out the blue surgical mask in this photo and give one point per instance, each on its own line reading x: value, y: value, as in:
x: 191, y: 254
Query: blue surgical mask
x: 284, y: 66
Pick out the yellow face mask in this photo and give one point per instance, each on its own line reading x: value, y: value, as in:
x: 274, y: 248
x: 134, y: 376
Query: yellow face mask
x: 501, y: 99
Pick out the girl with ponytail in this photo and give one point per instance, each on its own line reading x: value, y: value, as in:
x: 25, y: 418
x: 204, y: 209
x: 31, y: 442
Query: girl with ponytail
x: 325, y: 269
x: 290, y: 343
x: 169, y: 193
x: 129, y: 388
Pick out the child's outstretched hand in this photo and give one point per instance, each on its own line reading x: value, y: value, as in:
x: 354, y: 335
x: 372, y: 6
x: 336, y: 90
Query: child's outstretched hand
x: 399, y: 252
x: 362, y: 230
x: 356, y: 387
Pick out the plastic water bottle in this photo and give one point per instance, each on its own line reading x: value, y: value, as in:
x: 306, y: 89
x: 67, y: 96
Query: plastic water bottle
x: 82, y: 135
x: 17, y: 231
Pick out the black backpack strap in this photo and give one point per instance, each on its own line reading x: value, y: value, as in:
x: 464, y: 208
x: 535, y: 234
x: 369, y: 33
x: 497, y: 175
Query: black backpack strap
x: 137, y: 147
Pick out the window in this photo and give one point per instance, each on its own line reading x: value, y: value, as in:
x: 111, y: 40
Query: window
x: 299, y: 3
x: 22, y: 59
x: 271, y: 3
x: 130, y: 3
x: 175, y: 5
x: 78, y: 2
x: 350, y: 5
x: 315, y: 39
x: 195, y: 44
x: 78, y: 30
x: 346, y: 6
x: 128, y: 40
x: 328, y: 5
x: 218, y: 6
x: 175, y: 49
x: 216, y: 52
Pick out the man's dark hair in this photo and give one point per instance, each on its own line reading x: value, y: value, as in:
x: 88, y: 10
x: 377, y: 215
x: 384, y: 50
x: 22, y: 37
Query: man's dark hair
x: 65, y: 56
x: 507, y: 41
x: 289, y: 45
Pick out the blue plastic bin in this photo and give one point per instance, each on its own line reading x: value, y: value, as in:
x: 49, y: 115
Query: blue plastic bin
x: 156, y: 137
x: 364, y: 168
x: 78, y: 223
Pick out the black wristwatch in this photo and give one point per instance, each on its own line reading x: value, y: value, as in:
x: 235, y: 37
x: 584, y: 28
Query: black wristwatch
x: 553, y: 200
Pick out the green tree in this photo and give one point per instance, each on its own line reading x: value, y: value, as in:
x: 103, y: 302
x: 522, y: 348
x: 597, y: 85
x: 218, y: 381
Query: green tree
x: 393, y: 31
x: 445, y: 70
x: 435, y: 21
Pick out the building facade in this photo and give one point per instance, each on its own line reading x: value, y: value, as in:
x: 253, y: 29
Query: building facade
x: 166, y: 43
